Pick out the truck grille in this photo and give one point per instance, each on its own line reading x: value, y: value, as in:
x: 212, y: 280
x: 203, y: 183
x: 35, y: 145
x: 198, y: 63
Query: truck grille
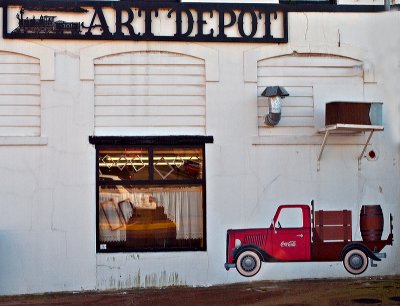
x: 255, y: 239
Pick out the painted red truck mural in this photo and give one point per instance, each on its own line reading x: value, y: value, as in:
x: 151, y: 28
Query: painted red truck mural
x: 298, y: 233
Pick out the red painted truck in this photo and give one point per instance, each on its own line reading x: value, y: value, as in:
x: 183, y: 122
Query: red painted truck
x: 308, y: 236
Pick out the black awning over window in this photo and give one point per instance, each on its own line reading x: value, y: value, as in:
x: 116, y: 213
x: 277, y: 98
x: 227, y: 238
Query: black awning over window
x: 151, y: 140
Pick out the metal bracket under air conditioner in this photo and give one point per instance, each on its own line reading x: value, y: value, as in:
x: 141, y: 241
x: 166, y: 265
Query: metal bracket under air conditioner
x: 348, y: 128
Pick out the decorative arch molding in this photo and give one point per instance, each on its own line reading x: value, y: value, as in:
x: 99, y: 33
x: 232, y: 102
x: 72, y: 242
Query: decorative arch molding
x: 251, y: 57
x: 44, y: 54
x: 88, y: 55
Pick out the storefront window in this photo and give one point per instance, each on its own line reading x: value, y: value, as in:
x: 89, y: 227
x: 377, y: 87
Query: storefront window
x: 150, y: 198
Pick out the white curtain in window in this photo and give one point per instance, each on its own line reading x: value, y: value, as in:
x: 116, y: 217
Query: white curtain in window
x: 185, y: 209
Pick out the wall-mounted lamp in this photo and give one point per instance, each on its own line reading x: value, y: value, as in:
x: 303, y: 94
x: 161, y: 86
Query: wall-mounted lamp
x: 275, y: 95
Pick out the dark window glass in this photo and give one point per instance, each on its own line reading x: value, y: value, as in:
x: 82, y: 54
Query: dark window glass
x: 123, y: 164
x: 177, y: 164
x: 151, y: 198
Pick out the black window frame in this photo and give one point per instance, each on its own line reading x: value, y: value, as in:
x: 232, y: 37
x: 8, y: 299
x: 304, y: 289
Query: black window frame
x: 308, y: 3
x: 152, y: 143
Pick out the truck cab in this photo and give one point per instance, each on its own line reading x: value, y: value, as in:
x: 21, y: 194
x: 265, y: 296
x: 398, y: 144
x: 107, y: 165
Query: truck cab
x: 287, y: 239
x: 291, y: 233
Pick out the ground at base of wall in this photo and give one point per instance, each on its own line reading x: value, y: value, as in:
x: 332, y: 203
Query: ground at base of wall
x: 360, y: 291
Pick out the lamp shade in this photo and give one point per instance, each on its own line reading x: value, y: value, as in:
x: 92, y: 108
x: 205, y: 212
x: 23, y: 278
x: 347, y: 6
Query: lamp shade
x: 271, y: 91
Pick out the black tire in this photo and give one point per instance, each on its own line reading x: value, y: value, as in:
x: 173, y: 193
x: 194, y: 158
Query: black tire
x: 248, y: 263
x: 355, y: 261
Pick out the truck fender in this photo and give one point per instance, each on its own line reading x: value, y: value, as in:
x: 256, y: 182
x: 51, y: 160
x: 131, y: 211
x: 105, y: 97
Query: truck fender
x: 264, y: 256
x: 360, y: 246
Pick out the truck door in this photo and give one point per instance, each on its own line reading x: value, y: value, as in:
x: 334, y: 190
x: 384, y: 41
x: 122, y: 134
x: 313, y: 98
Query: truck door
x: 291, y: 237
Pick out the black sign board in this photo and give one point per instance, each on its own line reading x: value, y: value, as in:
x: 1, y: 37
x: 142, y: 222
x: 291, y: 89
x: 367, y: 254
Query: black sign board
x: 145, y: 21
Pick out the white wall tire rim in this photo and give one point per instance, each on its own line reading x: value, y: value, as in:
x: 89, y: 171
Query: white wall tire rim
x: 248, y: 263
x: 355, y: 261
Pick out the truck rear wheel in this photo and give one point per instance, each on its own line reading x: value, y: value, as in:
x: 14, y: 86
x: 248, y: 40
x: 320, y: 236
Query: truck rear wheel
x: 248, y: 263
x: 355, y: 261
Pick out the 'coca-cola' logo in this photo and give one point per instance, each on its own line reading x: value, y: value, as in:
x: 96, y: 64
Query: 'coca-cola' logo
x: 288, y: 244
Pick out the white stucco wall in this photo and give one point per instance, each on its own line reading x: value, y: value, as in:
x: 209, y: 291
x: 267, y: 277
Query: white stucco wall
x: 47, y: 224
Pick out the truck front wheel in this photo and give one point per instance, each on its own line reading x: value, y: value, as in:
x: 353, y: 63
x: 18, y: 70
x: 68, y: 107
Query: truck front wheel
x: 355, y: 261
x: 248, y: 263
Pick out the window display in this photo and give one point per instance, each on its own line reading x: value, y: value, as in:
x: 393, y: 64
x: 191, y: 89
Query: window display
x: 151, y: 198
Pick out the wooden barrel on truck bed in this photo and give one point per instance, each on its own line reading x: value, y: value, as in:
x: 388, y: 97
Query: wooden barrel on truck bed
x: 371, y: 222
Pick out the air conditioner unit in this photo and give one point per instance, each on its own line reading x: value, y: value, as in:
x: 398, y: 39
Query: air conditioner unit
x: 356, y: 113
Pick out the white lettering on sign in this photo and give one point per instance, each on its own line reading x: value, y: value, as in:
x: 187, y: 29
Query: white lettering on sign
x: 288, y: 244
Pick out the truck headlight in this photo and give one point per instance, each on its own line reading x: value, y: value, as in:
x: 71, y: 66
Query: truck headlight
x: 238, y: 243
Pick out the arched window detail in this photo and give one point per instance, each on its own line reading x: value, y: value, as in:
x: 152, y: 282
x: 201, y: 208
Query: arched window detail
x: 139, y: 93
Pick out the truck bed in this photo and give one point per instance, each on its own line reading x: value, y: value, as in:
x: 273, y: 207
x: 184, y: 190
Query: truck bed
x: 332, y: 231
x: 331, y: 251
